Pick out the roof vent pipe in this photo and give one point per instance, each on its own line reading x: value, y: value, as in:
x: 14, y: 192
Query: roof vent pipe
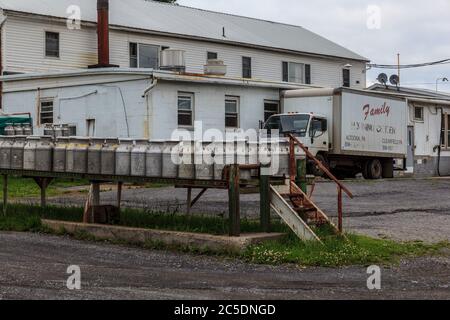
x: 103, y: 35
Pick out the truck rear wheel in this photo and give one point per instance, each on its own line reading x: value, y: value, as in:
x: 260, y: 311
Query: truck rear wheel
x: 374, y: 169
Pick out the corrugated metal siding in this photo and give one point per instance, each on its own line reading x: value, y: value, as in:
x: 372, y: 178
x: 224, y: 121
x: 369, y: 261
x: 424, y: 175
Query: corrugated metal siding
x: 25, y: 53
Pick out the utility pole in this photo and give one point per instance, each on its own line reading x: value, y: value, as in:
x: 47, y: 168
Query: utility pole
x: 398, y: 68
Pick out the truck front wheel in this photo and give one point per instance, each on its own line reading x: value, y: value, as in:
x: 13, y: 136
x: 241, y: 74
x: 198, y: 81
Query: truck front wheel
x: 314, y: 168
x: 374, y: 169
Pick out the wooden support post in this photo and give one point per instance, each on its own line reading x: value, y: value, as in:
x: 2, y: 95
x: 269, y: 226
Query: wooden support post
x: 43, y: 184
x: 95, y: 193
x: 301, y: 180
x: 234, y: 201
x: 340, y: 213
x: 264, y: 191
x: 5, y: 194
x: 119, y: 195
x: 189, y: 201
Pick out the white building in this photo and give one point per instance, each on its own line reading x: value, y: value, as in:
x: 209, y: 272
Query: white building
x: 140, y: 103
x: 428, y: 130
x: 36, y: 38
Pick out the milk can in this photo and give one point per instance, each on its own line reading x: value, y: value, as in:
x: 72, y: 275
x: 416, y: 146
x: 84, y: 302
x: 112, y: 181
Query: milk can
x: 186, y: 168
x: 281, y: 158
x: 18, y: 130
x: 265, y: 156
x: 76, y: 155
x: 253, y: 148
x: 242, y: 158
x: 154, y: 159
x: 108, y: 159
x: 138, y: 161
x: 27, y: 130
x: 204, y: 161
x: 29, y: 153
x: 80, y: 155
x: 17, y: 152
x: 219, y: 159
x: 171, y: 159
x: 49, y: 130
x: 95, y: 156
x: 123, y: 157
x: 6, y: 143
x: 9, y: 130
x: 44, y: 154
x: 59, y: 154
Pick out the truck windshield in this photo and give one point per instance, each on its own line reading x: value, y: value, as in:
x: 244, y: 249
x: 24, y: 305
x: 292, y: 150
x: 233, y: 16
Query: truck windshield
x: 295, y: 123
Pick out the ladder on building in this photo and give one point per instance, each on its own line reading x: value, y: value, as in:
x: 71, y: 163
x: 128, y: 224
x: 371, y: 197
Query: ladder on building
x: 296, y: 207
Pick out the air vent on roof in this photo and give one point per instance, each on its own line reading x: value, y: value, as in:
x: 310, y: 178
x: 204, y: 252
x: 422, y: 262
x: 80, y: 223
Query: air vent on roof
x: 215, y: 67
x: 173, y: 60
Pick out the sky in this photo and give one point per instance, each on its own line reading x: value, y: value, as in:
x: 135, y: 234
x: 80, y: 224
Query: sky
x: 377, y: 29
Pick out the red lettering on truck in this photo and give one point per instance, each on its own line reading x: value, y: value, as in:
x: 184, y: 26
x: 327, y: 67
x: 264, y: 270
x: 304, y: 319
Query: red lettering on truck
x: 385, y: 109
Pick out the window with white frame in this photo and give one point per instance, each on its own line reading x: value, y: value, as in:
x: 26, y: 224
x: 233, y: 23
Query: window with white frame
x: 46, y: 111
x: 144, y: 55
x: 418, y: 114
x: 296, y: 72
x: 271, y: 108
x: 51, y: 44
x: 185, y: 109
x: 232, y: 112
x: 445, y: 136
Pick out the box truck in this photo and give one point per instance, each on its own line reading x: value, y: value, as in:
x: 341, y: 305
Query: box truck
x: 350, y: 131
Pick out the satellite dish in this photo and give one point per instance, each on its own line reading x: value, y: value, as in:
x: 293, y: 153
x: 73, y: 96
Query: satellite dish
x: 382, y: 78
x: 394, y: 80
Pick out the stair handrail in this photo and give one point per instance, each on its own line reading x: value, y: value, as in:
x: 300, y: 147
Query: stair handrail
x: 293, y: 141
x: 321, y: 166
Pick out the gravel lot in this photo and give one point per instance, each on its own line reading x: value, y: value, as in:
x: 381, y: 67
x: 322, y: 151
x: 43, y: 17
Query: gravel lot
x: 34, y: 267
x: 399, y: 209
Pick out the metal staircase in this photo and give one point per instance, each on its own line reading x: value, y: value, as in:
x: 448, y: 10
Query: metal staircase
x: 296, y: 207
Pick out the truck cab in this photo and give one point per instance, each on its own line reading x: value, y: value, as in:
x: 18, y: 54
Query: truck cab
x: 311, y: 128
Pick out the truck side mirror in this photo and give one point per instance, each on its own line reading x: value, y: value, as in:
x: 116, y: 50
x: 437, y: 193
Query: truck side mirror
x: 324, y: 125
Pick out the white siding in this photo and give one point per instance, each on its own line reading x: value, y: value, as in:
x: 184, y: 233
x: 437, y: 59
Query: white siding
x: 25, y: 53
x: 209, y: 106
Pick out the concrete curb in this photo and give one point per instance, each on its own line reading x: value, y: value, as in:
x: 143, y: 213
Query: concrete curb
x: 169, y: 238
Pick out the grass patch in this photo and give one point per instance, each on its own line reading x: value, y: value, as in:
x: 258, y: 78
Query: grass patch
x: 25, y: 187
x: 336, y: 251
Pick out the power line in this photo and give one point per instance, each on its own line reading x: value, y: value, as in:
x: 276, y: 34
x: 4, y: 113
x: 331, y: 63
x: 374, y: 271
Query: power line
x: 409, y: 66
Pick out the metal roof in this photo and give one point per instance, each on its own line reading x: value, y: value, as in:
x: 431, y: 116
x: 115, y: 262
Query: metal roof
x: 411, y: 91
x: 155, y: 74
x: 185, y: 21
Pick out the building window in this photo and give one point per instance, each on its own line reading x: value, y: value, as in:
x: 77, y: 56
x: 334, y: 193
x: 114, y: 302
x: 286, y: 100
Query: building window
x: 46, y: 112
x: 246, y: 67
x: 52, y: 44
x: 144, y: 56
x: 346, y: 78
x: 185, y: 109
x: 445, y: 137
x: 418, y: 114
x: 296, y: 72
x: 232, y: 112
x: 212, y: 56
x: 271, y: 108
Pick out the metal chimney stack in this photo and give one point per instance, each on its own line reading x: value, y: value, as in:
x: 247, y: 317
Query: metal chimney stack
x: 103, y: 35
